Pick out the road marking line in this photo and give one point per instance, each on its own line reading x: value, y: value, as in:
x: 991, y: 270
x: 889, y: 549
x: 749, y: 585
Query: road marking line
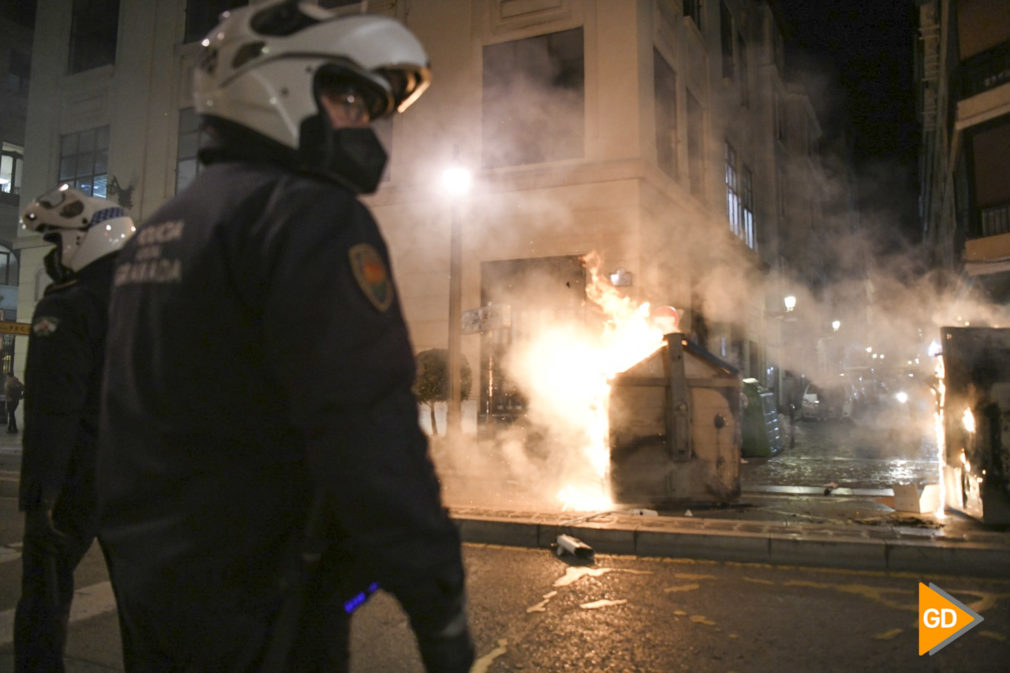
x: 482, y: 664
x: 89, y: 601
x: 9, y: 554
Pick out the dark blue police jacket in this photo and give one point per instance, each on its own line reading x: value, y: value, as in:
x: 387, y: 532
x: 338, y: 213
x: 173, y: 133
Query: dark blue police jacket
x: 256, y: 351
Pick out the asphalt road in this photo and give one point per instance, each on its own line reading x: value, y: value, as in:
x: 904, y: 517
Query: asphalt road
x: 532, y: 612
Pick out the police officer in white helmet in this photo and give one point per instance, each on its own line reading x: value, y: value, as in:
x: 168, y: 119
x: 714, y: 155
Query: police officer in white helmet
x: 262, y: 470
x: 63, y: 378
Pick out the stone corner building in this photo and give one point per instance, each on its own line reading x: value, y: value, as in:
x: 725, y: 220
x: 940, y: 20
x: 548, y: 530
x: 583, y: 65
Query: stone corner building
x: 662, y: 135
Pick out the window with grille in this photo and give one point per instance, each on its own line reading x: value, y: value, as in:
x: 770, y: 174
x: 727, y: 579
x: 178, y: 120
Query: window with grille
x: 11, y: 167
x: 94, y: 27
x: 749, y: 235
x: 8, y: 267
x: 534, y: 100
x: 84, y: 159
x: 732, y: 192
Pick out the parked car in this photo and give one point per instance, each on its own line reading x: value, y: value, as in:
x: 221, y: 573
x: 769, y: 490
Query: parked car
x: 827, y: 403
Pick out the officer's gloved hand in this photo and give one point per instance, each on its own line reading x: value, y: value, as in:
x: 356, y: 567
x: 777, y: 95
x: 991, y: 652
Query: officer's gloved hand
x: 40, y: 532
x: 449, y: 649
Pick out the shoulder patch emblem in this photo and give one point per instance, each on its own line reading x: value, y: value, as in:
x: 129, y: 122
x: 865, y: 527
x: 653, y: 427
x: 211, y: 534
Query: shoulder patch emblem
x: 45, y: 325
x: 370, y: 272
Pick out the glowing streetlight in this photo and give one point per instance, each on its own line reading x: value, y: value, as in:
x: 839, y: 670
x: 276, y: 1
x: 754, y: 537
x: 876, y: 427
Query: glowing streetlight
x: 790, y: 302
x: 456, y: 181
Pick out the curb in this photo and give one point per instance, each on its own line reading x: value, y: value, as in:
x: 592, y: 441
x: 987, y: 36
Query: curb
x: 885, y: 549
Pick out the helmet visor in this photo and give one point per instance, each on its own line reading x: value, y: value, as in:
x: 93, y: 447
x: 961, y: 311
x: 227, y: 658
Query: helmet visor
x: 407, y: 84
x: 54, y: 197
x: 338, y: 80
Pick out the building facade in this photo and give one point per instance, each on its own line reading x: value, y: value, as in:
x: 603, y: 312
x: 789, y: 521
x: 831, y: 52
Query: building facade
x: 15, y: 64
x: 659, y: 139
x: 964, y: 76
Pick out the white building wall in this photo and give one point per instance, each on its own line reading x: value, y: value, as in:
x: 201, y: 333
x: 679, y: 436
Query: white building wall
x: 613, y: 200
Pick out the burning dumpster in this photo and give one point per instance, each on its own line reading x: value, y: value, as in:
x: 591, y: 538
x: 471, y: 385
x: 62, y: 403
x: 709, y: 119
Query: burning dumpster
x: 675, y: 427
x: 975, y: 404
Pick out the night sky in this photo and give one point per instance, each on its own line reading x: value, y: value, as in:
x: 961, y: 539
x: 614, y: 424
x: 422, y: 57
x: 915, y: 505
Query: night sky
x: 858, y: 58
x: 19, y: 11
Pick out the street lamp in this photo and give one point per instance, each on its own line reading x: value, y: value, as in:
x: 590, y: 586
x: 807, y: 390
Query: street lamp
x: 456, y: 180
x: 783, y: 317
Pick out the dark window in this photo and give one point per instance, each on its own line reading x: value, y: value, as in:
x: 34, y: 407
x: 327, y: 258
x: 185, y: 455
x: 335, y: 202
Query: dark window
x: 202, y: 15
x: 695, y: 146
x: 665, y: 85
x: 534, y: 100
x: 692, y: 10
x: 11, y: 167
x: 187, y: 166
x: 8, y: 267
x: 747, y: 206
x: 780, y: 197
x: 780, y: 118
x: 18, y: 69
x: 741, y: 54
x: 93, y: 30
x: 732, y: 192
x: 84, y: 159
x: 779, y: 51
x: 726, y: 38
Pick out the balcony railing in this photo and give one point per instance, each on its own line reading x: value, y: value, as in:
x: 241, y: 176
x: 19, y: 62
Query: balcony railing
x: 993, y: 221
x: 984, y: 71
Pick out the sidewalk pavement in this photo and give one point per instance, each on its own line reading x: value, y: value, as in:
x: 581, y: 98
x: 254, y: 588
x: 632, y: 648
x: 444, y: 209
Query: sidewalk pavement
x: 851, y: 528
x: 854, y: 532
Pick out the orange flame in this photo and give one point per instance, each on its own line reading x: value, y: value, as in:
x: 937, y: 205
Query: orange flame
x: 568, y: 371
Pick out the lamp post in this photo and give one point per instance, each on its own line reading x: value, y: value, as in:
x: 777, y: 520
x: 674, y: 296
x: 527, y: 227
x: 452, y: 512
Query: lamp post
x: 456, y: 181
x: 789, y: 302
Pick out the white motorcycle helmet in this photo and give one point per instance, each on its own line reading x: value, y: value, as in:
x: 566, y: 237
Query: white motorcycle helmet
x: 261, y: 68
x: 83, y: 227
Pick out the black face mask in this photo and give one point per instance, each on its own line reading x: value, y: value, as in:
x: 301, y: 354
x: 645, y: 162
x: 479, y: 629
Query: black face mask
x: 54, y: 266
x: 357, y: 157
x: 352, y: 156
